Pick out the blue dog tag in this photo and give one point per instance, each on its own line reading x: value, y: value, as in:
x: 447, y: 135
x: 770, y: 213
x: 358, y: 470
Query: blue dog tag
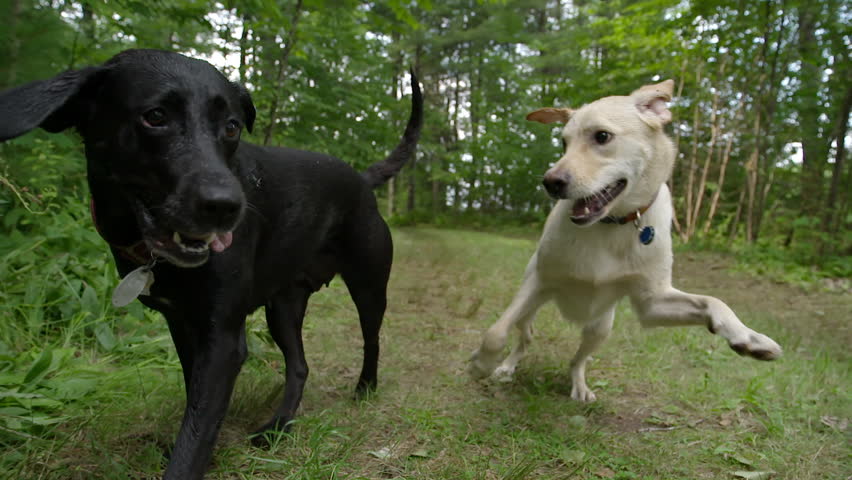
x: 646, y: 235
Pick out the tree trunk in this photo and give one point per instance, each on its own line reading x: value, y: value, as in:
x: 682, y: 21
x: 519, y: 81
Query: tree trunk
x: 475, y: 118
x: 243, y: 47
x: 723, y: 164
x: 711, y: 147
x: 687, y: 227
x: 397, y: 87
x: 391, y: 196
x: 675, y: 222
x: 14, y: 45
x: 752, y: 173
x: 732, y: 234
x: 840, y: 129
x: 436, y: 188
x: 813, y: 156
x: 282, y: 66
x: 455, y: 141
x: 412, y: 185
x: 768, y: 104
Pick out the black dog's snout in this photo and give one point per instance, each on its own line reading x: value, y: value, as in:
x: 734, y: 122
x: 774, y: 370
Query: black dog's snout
x: 219, y: 205
x: 556, y: 183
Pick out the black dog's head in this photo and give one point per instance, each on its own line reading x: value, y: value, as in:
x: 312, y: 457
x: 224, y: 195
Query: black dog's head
x: 161, y: 130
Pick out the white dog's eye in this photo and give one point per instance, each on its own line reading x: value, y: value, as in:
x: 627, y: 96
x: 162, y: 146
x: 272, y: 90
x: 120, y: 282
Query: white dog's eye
x: 602, y: 137
x: 564, y: 145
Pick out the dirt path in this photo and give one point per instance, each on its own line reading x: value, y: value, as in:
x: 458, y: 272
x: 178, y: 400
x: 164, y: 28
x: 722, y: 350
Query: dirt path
x: 815, y: 314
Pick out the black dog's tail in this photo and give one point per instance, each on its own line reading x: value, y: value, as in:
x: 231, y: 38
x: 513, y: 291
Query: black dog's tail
x: 380, y: 172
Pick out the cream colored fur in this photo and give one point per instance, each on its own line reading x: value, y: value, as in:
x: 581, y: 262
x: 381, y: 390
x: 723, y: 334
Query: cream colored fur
x: 586, y: 269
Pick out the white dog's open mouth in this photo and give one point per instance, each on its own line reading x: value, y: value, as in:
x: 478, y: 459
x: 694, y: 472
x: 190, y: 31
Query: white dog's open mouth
x: 587, y: 209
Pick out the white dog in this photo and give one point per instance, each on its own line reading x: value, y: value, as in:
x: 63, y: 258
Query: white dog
x: 608, y: 237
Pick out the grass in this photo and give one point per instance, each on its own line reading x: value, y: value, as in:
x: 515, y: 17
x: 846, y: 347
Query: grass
x: 99, y: 395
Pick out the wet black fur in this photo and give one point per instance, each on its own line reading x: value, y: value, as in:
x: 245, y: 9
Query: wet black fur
x: 298, y: 218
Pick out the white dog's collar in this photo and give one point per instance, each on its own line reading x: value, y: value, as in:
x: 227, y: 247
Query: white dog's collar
x: 633, y: 216
x: 646, y: 234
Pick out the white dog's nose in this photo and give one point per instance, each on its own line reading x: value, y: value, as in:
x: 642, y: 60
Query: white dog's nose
x: 556, y: 183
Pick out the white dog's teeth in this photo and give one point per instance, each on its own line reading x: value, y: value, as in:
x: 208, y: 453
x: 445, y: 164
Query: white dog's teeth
x: 586, y: 211
x: 176, y: 238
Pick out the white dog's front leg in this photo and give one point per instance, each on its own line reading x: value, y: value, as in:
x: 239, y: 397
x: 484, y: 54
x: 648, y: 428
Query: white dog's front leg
x: 522, y: 309
x: 507, y: 368
x: 676, y: 308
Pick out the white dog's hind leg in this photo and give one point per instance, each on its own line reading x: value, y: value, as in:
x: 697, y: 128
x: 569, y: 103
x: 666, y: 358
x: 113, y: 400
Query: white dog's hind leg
x: 523, y: 307
x: 594, y: 334
x: 676, y: 308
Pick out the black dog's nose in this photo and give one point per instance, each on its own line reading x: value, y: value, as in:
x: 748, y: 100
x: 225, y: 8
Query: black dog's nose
x: 556, y: 183
x: 219, y: 206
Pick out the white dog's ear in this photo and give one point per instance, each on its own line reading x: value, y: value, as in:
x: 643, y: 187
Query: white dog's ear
x: 550, y: 115
x: 652, y: 101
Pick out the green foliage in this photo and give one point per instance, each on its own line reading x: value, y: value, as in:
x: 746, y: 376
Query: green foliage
x: 332, y: 77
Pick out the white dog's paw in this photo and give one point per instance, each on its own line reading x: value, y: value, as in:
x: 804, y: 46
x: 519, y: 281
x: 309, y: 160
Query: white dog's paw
x: 757, y: 345
x: 582, y: 393
x: 504, y: 373
x: 481, y: 365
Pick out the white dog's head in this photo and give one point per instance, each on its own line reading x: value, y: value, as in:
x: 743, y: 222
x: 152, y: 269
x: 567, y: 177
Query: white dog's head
x: 616, y: 153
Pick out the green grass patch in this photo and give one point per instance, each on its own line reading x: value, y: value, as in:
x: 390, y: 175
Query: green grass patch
x: 90, y: 392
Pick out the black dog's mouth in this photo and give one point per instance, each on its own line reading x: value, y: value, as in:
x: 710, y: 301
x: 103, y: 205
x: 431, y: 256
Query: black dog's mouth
x: 593, y: 207
x: 182, y: 249
x: 186, y: 250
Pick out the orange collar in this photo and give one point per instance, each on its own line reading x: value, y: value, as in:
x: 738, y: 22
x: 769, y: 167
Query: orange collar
x: 632, y: 216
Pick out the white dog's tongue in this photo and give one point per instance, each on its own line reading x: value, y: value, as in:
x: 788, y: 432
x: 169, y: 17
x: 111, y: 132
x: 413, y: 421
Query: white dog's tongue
x: 222, y: 241
x: 585, y: 207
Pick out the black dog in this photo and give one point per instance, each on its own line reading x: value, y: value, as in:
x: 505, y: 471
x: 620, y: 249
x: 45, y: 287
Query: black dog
x: 171, y: 180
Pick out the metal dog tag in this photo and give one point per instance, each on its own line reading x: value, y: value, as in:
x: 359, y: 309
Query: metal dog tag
x: 646, y: 235
x: 134, y: 284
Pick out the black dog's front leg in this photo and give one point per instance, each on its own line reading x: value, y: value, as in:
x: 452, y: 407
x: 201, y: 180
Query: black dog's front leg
x: 215, y: 357
x: 284, y: 314
x: 185, y: 341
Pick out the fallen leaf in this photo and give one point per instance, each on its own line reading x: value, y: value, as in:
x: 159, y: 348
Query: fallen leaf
x: 382, y: 454
x: 723, y: 450
x: 753, y: 475
x: 840, y: 424
x: 605, y: 473
x: 421, y: 453
x: 573, y: 456
x: 577, y: 421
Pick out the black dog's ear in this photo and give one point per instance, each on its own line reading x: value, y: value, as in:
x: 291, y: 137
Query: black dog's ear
x: 247, y: 105
x: 51, y: 104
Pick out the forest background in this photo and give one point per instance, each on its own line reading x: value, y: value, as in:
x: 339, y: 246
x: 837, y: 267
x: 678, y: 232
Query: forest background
x: 763, y: 176
x: 761, y: 114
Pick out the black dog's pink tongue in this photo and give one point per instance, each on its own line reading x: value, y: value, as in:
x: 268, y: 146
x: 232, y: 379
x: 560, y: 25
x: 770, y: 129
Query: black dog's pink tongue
x: 222, y: 241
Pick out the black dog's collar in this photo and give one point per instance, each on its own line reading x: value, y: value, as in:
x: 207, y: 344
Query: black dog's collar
x: 137, y: 253
x: 632, y: 216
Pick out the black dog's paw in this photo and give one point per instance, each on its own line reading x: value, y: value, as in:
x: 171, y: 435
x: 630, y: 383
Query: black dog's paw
x: 365, y: 389
x: 270, y: 432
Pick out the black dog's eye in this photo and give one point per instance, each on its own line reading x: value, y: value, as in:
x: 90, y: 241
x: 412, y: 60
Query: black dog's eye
x: 602, y: 137
x: 232, y: 129
x: 154, y: 118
